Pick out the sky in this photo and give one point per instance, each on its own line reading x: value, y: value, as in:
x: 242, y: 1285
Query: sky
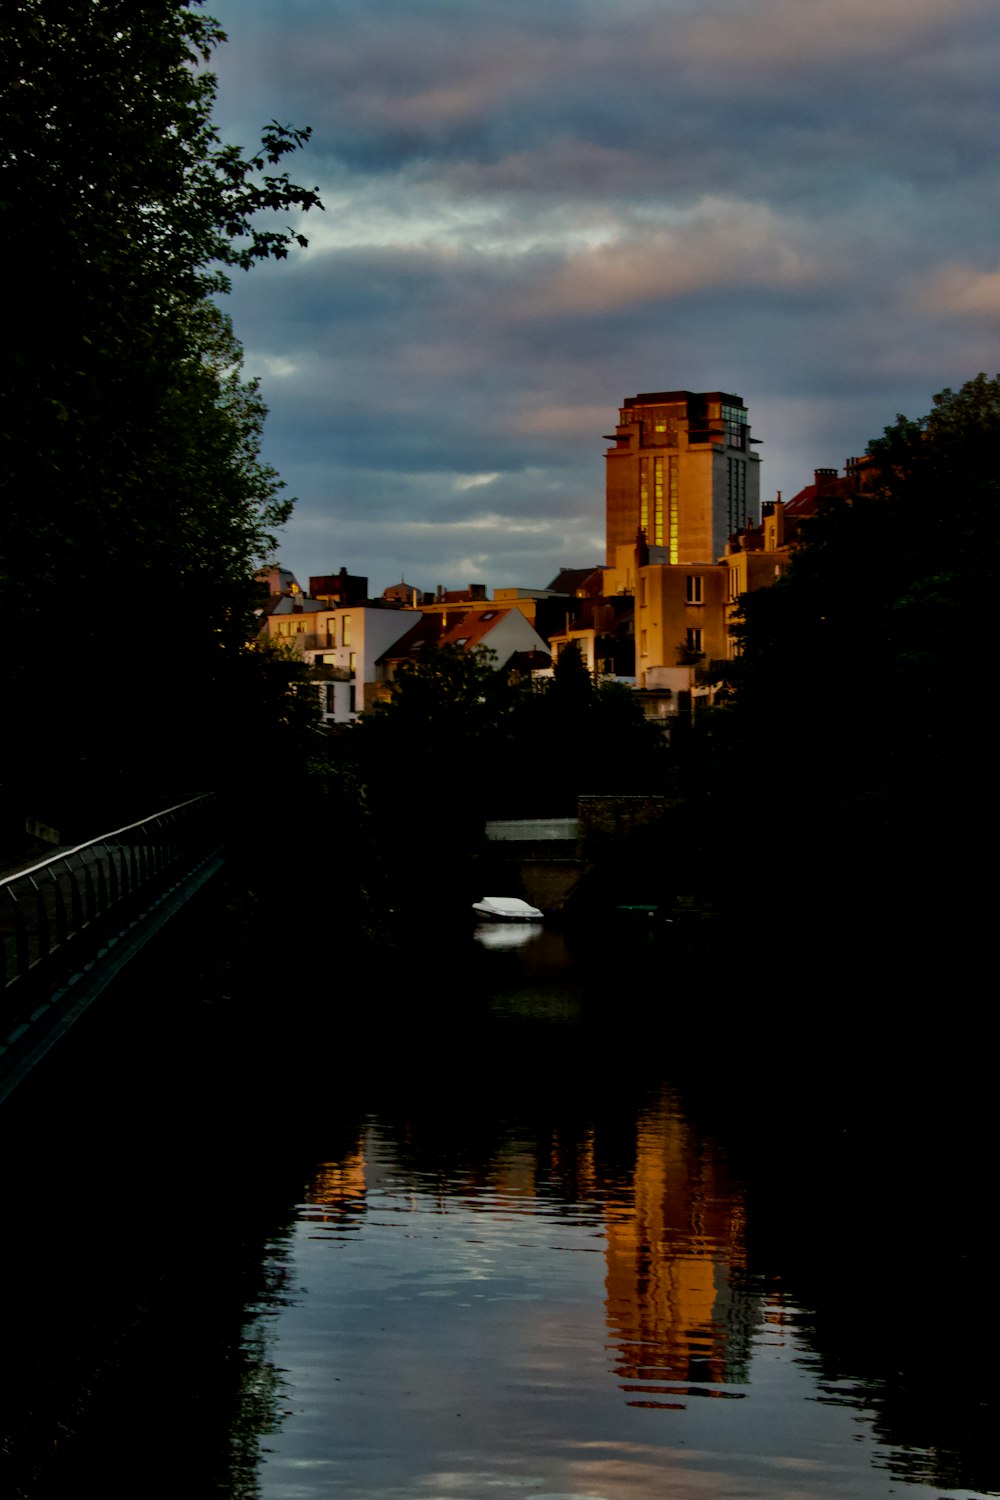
x: 534, y: 210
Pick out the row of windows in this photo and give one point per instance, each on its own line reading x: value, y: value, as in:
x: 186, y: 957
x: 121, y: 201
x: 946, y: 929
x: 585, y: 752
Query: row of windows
x: 658, y: 517
x: 694, y: 589
x: 735, y: 423
x: 673, y: 528
x: 663, y: 418
x: 307, y: 625
x: 736, y: 495
x: 322, y: 661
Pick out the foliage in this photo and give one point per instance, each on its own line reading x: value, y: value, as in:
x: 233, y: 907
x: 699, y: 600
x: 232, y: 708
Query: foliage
x: 860, y: 715
x: 446, y: 697
x: 576, y: 737
x: 458, y: 742
x: 572, y: 687
x: 429, y: 757
x: 136, y: 504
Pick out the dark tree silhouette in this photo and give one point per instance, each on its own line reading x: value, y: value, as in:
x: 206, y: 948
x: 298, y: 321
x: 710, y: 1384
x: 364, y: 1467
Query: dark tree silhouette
x: 136, y: 505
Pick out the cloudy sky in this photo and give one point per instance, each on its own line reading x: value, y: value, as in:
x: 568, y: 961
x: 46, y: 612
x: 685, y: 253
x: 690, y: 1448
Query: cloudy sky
x: 535, y: 208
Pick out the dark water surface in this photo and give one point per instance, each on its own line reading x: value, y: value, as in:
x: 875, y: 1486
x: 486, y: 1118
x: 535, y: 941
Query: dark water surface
x: 518, y: 1223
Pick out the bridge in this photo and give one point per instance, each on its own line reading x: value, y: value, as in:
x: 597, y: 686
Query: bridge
x: 70, y: 923
x: 549, y: 859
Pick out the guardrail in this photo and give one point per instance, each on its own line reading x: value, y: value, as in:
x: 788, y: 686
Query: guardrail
x: 58, y: 916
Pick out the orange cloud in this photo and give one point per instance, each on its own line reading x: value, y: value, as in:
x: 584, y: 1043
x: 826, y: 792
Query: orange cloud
x: 961, y: 291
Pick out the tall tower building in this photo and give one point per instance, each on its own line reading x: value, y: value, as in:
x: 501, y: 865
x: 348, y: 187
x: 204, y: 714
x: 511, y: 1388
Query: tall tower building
x: 681, y: 470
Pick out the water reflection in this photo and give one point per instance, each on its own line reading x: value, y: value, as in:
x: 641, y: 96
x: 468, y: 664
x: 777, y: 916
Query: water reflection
x: 504, y: 935
x: 549, y: 1248
x: 678, y: 1307
x: 542, y: 1279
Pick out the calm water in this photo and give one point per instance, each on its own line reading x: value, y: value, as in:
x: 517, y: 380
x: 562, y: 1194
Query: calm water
x: 520, y: 1229
x: 534, y: 1271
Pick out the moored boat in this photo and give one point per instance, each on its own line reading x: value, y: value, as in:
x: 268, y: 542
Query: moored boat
x: 506, y: 909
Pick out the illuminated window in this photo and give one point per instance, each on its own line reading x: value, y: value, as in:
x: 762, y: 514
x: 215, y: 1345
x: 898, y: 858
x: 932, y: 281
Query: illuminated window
x: 694, y: 595
x: 644, y: 496
x: 660, y: 419
x: 673, y: 532
x: 658, y: 502
x: 352, y: 661
x: 345, y: 630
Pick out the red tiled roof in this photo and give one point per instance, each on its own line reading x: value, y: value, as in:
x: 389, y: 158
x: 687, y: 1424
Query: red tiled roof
x: 469, y: 627
x: 804, y: 503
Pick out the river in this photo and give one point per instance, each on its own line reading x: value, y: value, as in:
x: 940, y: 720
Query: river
x: 519, y: 1224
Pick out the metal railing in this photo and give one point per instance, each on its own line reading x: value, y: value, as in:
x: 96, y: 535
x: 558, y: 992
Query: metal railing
x: 58, y: 915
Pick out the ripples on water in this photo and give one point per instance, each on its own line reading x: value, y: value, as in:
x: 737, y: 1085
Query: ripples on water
x: 569, y: 1307
x: 554, y: 1231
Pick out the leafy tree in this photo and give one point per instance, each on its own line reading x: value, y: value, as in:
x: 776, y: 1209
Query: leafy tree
x: 430, y: 757
x: 861, y: 719
x: 575, y: 736
x: 458, y: 742
x: 446, y: 697
x: 571, y: 690
x: 135, y: 503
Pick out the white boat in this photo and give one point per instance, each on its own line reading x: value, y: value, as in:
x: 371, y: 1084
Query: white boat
x: 506, y: 909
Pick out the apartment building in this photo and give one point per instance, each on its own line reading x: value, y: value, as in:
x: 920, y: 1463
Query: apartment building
x: 683, y: 472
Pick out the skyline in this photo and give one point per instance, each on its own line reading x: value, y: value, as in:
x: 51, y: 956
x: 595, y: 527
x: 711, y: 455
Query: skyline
x: 532, y: 214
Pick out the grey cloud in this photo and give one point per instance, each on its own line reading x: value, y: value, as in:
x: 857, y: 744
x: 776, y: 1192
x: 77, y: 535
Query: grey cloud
x: 536, y: 210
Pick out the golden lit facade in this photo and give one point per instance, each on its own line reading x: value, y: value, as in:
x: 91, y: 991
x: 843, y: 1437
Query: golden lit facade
x: 682, y: 470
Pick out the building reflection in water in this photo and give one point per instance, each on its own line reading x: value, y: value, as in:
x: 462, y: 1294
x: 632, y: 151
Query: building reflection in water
x: 337, y: 1193
x: 679, y: 1312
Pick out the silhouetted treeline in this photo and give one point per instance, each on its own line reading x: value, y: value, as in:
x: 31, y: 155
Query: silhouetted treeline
x: 135, y: 506
x: 844, y: 792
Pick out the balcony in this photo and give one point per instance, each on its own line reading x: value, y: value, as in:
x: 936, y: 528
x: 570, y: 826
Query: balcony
x: 331, y: 674
x: 323, y: 641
